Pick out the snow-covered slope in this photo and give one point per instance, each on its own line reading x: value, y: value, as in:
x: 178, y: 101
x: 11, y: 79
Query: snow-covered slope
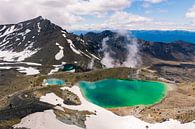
x: 17, y: 40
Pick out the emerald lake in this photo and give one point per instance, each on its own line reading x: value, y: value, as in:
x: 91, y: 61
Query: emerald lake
x: 113, y: 93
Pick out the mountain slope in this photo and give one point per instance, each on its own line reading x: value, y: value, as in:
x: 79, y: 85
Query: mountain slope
x: 38, y: 40
x: 175, y: 51
x: 149, y: 51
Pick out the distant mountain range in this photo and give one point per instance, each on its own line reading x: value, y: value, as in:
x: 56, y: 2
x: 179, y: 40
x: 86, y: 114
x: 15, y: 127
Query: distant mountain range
x: 149, y: 51
x: 157, y: 35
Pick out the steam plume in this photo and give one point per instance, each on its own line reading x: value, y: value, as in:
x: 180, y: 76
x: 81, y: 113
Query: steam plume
x: 130, y: 45
x: 91, y: 64
x: 107, y: 60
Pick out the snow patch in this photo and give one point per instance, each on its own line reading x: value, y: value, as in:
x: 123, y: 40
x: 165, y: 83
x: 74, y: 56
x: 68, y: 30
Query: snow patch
x: 5, y: 67
x: 27, y: 63
x: 85, y: 54
x: 60, y: 54
x: 39, y: 28
x: 30, y: 63
x: 28, y: 70
x: 64, y: 35
x: 73, y: 47
x: 17, y: 39
x: 44, y: 120
x: 8, y: 31
x: 93, y: 55
x: 27, y: 31
x: 3, y: 28
x: 4, y: 43
x: 56, y: 68
x: 17, y: 56
x: 63, y: 31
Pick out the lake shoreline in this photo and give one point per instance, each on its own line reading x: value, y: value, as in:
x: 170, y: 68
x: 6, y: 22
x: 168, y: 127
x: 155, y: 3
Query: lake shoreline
x: 134, y: 86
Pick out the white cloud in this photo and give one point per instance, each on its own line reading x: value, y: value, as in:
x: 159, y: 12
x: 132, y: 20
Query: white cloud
x: 154, y: 1
x: 121, y: 18
x: 62, y: 12
x: 147, y: 3
x: 191, y: 14
x: 145, y: 26
x: 97, y: 6
x: 128, y: 21
x: 12, y: 11
x: 70, y: 14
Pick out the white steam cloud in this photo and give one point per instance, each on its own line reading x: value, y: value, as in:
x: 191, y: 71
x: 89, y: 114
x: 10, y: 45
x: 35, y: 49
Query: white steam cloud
x: 133, y: 58
x: 91, y: 64
x: 107, y: 60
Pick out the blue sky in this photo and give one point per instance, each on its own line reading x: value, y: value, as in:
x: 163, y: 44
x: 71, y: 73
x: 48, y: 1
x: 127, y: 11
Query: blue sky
x: 104, y: 14
x: 168, y: 11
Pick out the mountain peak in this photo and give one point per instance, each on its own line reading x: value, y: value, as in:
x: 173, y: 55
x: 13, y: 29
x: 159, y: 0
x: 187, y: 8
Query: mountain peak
x: 24, y: 35
x: 34, y: 20
x: 39, y: 17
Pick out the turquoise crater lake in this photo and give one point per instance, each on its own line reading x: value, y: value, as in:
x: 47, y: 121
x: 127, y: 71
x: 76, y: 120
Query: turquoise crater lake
x: 114, y: 93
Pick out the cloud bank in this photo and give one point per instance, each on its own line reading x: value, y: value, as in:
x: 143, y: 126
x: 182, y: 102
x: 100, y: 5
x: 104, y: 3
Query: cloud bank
x: 62, y: 12
x: 191, y: 14
x: 88, y: 14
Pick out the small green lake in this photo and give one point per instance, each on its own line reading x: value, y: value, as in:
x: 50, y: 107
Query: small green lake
x: 113, y: 93
x: 53, y: 81
x: 68, y: 67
